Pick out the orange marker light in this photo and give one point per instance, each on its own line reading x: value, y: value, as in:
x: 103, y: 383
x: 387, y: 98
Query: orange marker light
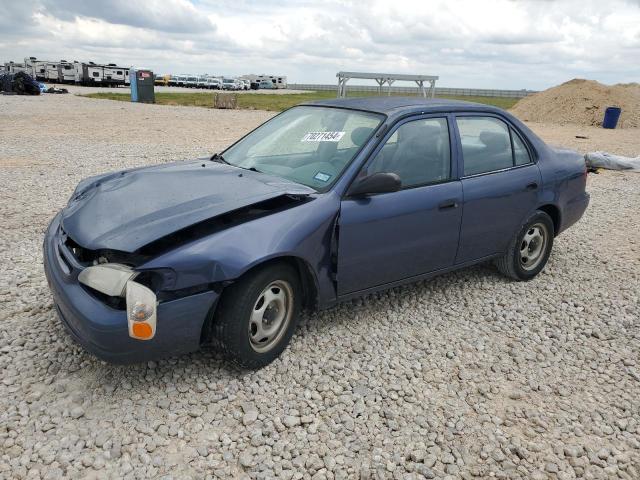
x: 142, y: 330
x: 141, y: 311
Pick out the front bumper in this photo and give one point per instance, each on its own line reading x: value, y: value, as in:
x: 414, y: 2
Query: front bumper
x: 103, y: 330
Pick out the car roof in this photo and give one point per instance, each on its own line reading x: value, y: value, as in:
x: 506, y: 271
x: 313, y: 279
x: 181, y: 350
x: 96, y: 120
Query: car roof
x: 397, y: 105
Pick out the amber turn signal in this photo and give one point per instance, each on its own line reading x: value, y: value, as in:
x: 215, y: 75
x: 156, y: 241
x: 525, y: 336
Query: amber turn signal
x: 142, y: 330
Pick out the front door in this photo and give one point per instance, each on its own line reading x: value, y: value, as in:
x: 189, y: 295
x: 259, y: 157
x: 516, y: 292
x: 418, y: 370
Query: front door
x: 393, y: 236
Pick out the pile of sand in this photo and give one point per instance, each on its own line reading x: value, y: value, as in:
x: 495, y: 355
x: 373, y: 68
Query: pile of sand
x: 581, y: 102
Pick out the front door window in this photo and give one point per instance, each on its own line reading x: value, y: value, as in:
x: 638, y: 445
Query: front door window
x: 418, y: 152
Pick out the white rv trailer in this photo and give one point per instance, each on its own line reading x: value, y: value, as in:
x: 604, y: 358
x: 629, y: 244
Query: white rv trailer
x: 100, y: 75
x: 36, y: 68
x: 51, y: 72
x: 88, y: 73
x: 115, y: 76
x: 66, y: 73
x: 13, y: 67
x: 80, y: 73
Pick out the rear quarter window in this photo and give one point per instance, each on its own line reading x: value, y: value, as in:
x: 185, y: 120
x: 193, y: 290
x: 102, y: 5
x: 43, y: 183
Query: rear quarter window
x: 520, y: 153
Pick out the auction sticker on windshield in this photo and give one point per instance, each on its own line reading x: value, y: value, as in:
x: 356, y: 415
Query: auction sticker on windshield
x: 323, y: 137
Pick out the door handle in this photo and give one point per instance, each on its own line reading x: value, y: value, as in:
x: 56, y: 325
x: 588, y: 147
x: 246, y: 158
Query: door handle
x: 532, y: 186
x: 448, y: 204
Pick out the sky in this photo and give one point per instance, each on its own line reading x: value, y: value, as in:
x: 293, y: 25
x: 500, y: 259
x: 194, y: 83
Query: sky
x: 510, y: 44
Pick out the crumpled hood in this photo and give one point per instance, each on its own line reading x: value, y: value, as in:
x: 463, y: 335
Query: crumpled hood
x: 129, y: 209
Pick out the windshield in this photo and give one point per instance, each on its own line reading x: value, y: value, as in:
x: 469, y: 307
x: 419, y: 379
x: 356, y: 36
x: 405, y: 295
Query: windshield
x: 308, y: 145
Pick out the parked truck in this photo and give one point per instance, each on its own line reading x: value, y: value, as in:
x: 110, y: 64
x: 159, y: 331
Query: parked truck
x: 162, y: 80
x: 202, y: 82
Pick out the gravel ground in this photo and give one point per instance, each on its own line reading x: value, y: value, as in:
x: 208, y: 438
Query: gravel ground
x: 467, y: 375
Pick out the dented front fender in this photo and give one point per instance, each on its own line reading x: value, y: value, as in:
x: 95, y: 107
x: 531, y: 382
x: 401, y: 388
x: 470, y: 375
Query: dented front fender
x: 303, y: 232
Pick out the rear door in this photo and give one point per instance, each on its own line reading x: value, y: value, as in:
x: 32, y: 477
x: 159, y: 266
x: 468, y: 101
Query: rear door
x: 500, y: 183
x: 393, y: 236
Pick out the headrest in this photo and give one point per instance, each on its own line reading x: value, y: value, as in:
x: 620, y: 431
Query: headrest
x: 360, y: 135
x: 494, y: 141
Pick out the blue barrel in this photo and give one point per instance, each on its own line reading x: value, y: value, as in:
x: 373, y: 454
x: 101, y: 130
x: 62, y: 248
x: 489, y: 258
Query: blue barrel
x: 611, y: 116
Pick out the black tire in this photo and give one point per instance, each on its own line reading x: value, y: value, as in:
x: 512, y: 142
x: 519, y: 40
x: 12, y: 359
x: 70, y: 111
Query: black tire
x: 513, y: 264
x: 234, y: 331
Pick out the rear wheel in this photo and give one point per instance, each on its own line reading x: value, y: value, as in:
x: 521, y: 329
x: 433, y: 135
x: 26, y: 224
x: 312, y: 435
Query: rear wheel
x: 529, y: 250
x: 258, y: 315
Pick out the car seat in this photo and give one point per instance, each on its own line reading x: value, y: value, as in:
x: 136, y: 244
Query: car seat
x: 419, y: 158
x: 360, y: 135
x: 495, y: 154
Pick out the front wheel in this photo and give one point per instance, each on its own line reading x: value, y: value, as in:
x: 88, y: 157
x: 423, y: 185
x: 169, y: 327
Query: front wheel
x: 529, y: 250
x: 258, y: 315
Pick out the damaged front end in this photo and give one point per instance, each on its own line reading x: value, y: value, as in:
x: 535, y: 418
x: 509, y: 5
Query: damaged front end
x: 117, y: 280
x: 119, y: 311
x: 105, y: 296
x: 137, y: 260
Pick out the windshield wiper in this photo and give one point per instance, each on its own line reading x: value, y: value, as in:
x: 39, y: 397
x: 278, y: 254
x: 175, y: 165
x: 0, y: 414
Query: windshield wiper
x: 216, y: 157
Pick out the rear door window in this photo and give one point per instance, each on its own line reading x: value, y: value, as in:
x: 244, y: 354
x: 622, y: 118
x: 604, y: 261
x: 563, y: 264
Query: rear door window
x: 486, y: 144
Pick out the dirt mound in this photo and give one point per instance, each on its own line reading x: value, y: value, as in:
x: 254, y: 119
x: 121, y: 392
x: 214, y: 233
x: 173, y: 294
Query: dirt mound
x: 582, y: 102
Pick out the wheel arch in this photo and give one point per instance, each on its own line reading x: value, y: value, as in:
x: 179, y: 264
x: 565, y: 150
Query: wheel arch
x: 308, y: 280
x: 554, y: 212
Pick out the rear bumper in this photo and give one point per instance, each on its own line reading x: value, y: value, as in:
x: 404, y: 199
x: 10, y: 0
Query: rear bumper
x: 103, y: 330
x: 574, y: 209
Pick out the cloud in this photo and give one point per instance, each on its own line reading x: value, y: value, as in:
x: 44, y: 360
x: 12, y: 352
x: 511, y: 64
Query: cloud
x: 162, y: 15
x: 502, y: 44
x: 17, y: 17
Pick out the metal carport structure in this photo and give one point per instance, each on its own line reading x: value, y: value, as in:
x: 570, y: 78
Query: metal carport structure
x: 388, y: 78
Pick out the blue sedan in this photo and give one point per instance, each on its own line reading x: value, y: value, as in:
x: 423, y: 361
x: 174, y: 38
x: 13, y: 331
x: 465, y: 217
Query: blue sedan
x: 324, y: 202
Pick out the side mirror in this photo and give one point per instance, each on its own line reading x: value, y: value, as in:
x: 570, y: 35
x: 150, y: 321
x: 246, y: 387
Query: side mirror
x: 376, y: 183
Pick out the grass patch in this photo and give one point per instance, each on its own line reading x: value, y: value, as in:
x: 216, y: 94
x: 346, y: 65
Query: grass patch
x: 274, y: 102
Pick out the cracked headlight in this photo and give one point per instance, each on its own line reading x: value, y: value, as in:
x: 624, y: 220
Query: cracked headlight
x: 108, y: 278
x: 116, y: 280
